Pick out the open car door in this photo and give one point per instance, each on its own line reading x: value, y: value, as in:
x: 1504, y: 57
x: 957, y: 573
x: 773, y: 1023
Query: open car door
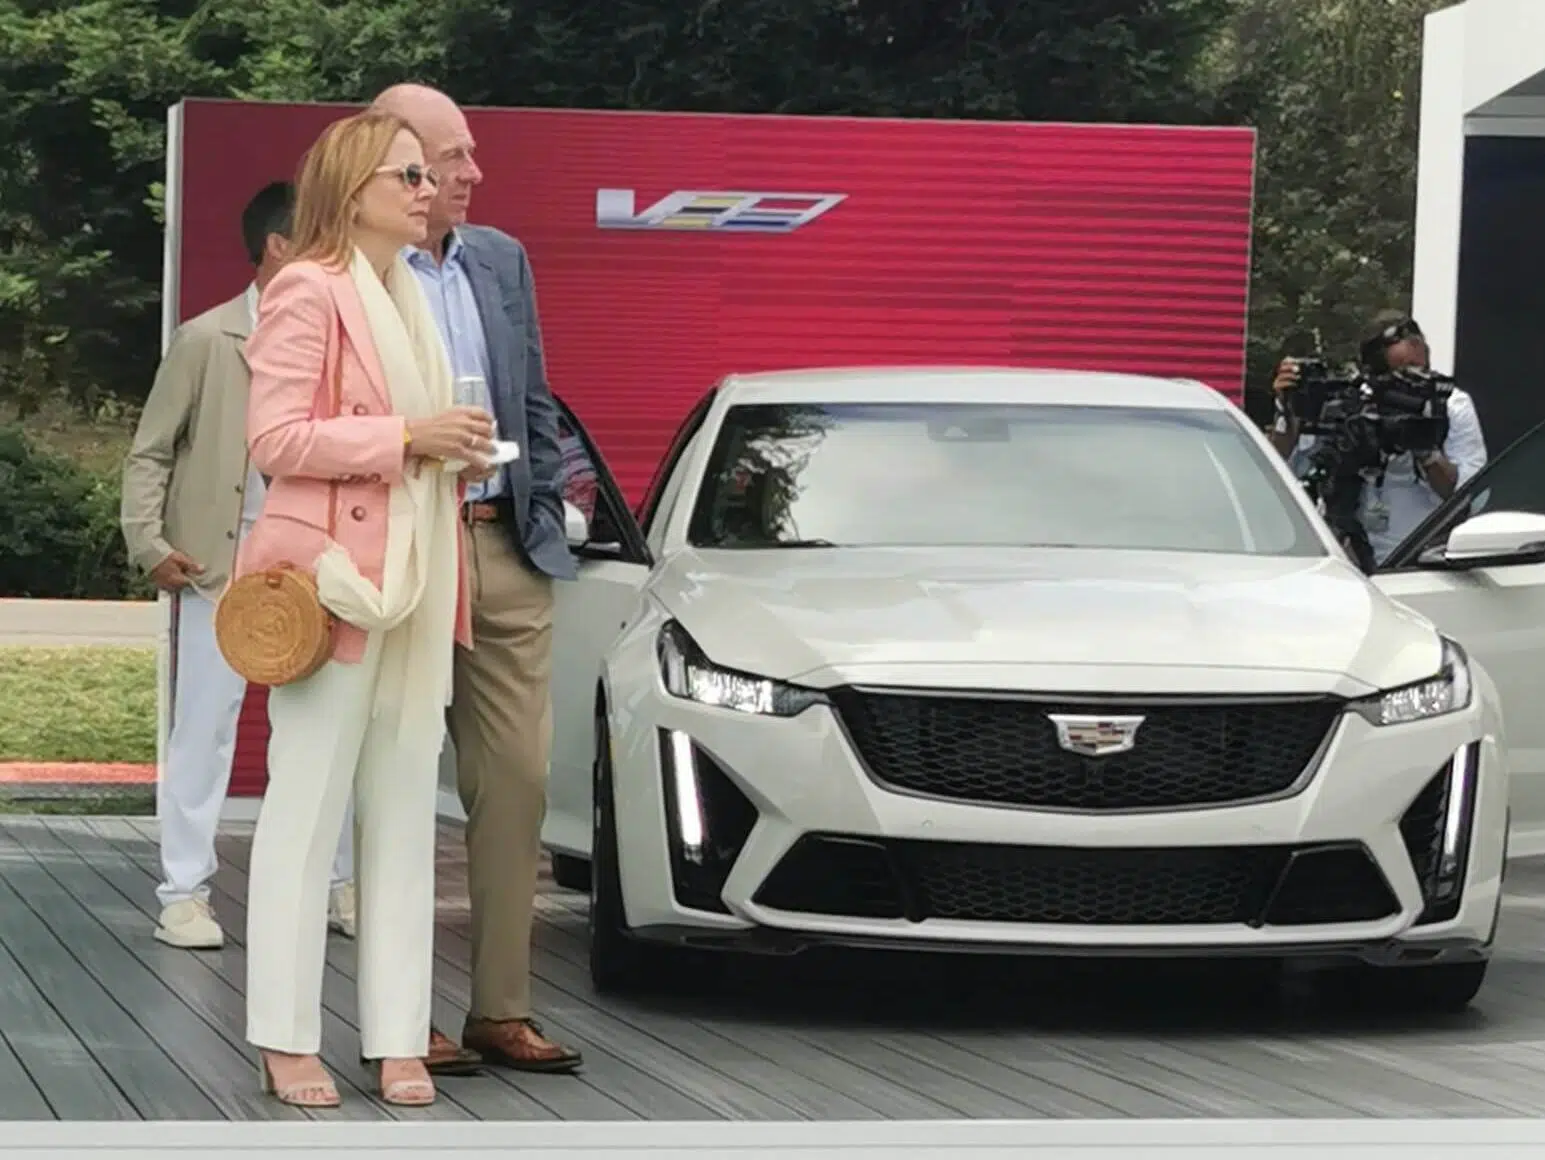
x: 589, y: 613
x: 615, y: 552
x: 1476, y: 569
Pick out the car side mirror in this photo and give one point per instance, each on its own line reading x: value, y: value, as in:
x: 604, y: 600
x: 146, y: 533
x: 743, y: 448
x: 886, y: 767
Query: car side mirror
x: 1496, y: 538
x: 576, y: 528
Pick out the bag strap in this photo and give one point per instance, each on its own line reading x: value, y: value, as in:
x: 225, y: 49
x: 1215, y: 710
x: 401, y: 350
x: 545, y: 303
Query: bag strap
x: 337, y: 411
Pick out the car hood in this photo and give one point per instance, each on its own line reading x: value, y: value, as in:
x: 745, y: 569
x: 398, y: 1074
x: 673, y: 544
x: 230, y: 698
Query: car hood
x: 791, y: 613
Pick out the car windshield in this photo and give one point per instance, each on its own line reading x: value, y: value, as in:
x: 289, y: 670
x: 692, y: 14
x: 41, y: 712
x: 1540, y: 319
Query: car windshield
x: 968, y: 474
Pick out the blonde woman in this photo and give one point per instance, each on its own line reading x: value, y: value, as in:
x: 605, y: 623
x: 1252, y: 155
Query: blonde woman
x: 351, y: 417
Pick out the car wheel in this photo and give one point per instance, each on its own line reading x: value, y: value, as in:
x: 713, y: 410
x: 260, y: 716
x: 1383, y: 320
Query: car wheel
x: 619, y: 963
x: 571, y: 873
x: 1437, y: 989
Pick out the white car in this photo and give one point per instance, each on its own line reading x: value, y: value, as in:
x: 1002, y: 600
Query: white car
x: 1038, y: 662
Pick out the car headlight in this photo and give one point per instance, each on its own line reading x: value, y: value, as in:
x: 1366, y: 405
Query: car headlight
x: 688, y: 674
x: 1448, y: 692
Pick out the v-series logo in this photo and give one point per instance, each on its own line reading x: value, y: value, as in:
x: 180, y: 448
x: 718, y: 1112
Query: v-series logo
x: 746, y: 213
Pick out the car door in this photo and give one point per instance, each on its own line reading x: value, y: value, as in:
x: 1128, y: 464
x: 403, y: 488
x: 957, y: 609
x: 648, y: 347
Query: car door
x: 589, y: 612
x: 1496, y: 611
x: 614, y: 564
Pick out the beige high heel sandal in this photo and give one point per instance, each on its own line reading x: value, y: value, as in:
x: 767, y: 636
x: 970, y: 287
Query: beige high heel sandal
x: 321, y: 1093
x: 406, y: 1093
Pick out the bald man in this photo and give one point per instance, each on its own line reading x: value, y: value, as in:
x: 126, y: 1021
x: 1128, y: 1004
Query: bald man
x: 479, y: 285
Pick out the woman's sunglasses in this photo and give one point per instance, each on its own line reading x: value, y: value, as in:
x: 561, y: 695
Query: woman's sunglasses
x: 413, y: 175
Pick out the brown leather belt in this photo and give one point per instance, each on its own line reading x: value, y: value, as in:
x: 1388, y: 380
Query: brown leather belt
x: 481, y: 513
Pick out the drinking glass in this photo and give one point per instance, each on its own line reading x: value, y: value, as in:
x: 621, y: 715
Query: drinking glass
x: 472, y: 391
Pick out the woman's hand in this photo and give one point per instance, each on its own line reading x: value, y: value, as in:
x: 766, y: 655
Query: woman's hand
x: 464, y: 433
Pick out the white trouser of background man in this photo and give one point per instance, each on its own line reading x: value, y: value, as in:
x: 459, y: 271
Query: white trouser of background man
x: 207, y: 697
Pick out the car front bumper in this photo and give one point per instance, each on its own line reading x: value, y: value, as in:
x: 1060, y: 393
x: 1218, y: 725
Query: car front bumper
x: 699, y: 863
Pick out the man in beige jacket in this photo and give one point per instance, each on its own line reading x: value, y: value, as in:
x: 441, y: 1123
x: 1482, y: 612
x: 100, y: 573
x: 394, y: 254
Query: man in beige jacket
x: 189, y: 494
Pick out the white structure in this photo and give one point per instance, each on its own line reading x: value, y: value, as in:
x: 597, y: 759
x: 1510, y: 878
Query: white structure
x: 1483, y: 75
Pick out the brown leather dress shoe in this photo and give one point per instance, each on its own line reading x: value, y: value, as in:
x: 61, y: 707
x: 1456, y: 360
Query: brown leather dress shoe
x: 518, y: 1044
x: 447, y: 1057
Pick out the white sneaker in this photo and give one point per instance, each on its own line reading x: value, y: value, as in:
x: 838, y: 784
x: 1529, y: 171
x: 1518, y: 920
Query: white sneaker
x: 340, y: 910
x: 192, y: 925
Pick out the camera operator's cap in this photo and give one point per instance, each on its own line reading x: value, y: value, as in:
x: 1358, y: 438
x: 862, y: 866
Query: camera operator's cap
x: 1388, y: 329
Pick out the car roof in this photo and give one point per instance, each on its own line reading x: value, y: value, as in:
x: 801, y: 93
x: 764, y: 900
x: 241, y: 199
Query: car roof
x: 971, y: 384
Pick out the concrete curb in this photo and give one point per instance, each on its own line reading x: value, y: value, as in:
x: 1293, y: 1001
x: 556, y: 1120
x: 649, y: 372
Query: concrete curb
x: 72, y: 623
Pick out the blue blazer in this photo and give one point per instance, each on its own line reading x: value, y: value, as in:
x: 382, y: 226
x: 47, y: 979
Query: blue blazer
x: 505, y: 291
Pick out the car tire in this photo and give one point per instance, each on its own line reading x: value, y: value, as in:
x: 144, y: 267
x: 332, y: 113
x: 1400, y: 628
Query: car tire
x: 571, y: 873
x: 1436, y: 989
x: 619, y: 963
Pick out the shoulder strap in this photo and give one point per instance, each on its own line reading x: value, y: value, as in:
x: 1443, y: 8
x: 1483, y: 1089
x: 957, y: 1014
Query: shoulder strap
x: 336, y: 409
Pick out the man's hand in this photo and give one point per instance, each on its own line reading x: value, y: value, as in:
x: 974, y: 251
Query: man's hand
x: 1287, y: 376
x: 174, y: 573
x: 1284, y: 440
x: 476, y: 473
x: 1441, y: 475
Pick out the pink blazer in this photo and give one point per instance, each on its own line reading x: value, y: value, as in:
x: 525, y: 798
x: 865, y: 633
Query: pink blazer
x: 308, y: 320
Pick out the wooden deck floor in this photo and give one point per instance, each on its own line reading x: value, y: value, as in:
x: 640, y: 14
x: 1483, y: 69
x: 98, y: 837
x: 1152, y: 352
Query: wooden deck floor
x: 100, y: 1022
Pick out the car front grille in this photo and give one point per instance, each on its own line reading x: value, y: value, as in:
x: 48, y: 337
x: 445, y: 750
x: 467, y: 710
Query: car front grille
x: 845, y: 876
x: 1004, y: 750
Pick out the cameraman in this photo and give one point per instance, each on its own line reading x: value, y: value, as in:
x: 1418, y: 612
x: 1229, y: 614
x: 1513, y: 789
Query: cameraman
x: 1412, y: 487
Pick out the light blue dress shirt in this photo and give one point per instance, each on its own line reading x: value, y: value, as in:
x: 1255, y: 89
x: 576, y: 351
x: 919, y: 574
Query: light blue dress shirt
x: 449, y: 291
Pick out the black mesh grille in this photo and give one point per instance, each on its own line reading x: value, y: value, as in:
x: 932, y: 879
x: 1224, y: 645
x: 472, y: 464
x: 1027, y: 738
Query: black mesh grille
x: 1422, y: 830
x: 1331, y: 885
x: 1005, y: 751
x: 728, y: 819
x: 824, y: 874
x: 1421, y: 827
x: 1093, y: 887
x: 835, y: 876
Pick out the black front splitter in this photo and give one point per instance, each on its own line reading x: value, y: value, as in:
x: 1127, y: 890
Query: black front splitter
x: 772, y: 942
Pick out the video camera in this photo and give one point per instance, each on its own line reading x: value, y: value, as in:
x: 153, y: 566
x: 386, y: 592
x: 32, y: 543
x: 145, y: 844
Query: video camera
x: 1363, y: 419
x: 1372, y: 416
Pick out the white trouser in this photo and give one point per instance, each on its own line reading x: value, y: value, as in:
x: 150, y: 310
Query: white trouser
x: 206, y: 703
x: 326, y: 743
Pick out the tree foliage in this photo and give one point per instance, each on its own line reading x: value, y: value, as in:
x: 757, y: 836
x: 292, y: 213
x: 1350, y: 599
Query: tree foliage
x: 1332, y: 88
x: 85, y: 84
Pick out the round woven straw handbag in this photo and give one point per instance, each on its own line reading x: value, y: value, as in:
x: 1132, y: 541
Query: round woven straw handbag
x: 270, y: 626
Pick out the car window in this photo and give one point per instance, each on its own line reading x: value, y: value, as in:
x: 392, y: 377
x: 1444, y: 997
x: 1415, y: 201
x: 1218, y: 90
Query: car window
x: 589, y: 486
x: 1513, y: 482
x: 996, y: 475
x: 580, y: 478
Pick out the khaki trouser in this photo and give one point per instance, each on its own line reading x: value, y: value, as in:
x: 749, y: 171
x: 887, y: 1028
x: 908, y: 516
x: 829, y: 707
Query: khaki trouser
x: 501, y: 723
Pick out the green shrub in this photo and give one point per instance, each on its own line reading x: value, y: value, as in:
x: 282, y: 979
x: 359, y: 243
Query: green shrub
x: 59, y: 534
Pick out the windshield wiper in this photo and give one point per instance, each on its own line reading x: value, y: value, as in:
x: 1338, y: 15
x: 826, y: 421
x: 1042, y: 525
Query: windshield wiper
x: 802, y: 544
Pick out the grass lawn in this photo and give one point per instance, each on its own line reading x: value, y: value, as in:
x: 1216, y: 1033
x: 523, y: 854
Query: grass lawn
x: 137, y: 803
x: 78, y: 704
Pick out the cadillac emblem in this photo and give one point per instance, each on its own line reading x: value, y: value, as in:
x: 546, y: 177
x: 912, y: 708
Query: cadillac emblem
x: 1095, y: 736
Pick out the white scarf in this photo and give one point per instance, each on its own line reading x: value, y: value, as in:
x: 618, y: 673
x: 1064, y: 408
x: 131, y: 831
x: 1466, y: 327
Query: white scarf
x: 415, y: 607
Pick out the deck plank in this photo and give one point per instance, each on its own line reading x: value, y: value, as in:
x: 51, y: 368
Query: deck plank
x: 100, y: 1022
x: 54, y: 952
x: 340, y: 1039
x: 173, y: 994
x: 597, y: 1032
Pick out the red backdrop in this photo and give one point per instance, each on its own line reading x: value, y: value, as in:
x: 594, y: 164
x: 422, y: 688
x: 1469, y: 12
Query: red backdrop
x: 1077, y: 246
